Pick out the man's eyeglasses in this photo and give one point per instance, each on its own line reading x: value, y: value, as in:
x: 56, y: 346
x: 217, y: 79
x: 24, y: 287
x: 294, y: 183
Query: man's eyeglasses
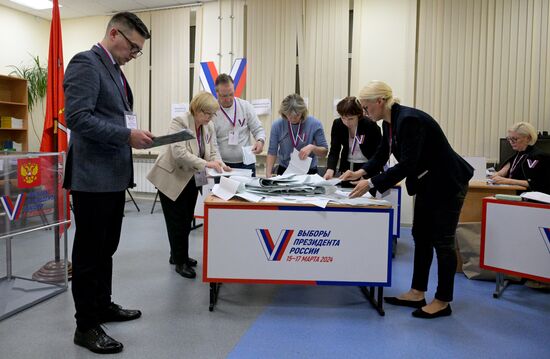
x: 134, y: 48
x: 512, y: 139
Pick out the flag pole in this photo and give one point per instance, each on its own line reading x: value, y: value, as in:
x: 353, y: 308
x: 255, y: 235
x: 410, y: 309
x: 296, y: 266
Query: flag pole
x: 54, y: 271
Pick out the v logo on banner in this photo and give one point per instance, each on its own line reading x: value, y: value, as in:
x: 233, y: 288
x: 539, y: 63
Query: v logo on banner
x: 13, y: 211
x: 545, y: 232
x: 209, y: 73
x: 274, y: 251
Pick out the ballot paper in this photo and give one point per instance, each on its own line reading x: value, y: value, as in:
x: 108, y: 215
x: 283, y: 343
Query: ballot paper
x: 296, y: 165
x: 243, y: 172
x: 536, y: 196
x: 183, y: 135
x: 248, y: 156
x: 227, y: 188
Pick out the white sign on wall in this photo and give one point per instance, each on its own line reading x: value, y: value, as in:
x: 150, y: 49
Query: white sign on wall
x: 262, y: 106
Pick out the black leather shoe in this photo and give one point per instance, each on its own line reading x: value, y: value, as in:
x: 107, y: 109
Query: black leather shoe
x: 445, y: 312
x: 97, y: 341
x: 185, y: 271
x: 405, y: 303
x: 115, y: 313
x: 192, y: 262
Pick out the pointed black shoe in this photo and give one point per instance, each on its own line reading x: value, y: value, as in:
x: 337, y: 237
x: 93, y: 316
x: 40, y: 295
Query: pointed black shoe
x: 192, y: 262
x: 445, y: 312
x: 96, y: 340
x: 405, y: 303
x: 115, y: 313
x: 185, y: 270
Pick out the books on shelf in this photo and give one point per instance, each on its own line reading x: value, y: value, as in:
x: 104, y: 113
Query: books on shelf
x: 11, y: 122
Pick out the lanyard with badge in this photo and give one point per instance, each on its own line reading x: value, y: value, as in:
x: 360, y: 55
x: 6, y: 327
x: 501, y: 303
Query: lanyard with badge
x: 233, y: 134
x: 356, y: 140
x: 297, y: 137
x: 200, y: 176
x: 515, y: 163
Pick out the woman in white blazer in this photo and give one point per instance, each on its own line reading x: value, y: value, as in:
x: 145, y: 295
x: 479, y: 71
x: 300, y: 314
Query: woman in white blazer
x: 174, y: 176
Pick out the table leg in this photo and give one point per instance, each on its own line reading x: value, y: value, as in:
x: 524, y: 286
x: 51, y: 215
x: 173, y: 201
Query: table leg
x: 214, y: 289
x: 377, y: 303
x: 501, y: 284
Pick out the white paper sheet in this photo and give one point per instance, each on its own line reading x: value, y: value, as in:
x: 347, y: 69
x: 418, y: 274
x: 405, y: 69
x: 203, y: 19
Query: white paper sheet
x: 243, y: 172
x: 248, y: 156
x: 296, y: 165
x: 226, y: 189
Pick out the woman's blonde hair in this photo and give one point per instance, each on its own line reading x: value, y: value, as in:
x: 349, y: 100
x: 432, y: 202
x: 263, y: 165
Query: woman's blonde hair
x: 203, y: 102
x: 525, y: 129
x: 293, y: 104
x: 378, y: 89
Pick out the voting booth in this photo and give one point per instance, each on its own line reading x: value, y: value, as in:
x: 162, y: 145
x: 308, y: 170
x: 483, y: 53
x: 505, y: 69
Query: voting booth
x: 32, y: 199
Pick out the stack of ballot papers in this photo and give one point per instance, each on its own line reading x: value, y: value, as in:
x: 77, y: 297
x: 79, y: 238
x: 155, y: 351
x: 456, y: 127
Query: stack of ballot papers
x: 289, y: 188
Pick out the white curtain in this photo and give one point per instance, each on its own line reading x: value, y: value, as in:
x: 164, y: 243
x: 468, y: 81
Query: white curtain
x: 169, y: 65
x: 272, y: 33
x: 384, y: 45
x: 137, y: 74
x: 482, y: 66
x: 323, y: 57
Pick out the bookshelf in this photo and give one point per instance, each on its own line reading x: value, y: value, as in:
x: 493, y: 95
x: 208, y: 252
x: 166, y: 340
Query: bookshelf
x: 13, y: 103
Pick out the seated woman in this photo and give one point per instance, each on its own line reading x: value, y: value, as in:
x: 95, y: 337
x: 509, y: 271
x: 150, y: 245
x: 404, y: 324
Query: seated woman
x: 295, y: 130
x: 528, y: 167
x: 176, y: 170
x: 353, y: 138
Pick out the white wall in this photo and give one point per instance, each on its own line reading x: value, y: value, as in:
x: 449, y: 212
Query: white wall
x: 24, y: 37
x: 81, y: 34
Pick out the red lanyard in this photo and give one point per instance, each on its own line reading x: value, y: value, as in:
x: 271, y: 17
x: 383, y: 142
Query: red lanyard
x: 234, y: 114
x: 297, y: 137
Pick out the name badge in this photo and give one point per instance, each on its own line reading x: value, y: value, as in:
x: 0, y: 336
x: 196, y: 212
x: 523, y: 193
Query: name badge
x: 233, y: 138
x: 131, y: 120
x: 200, y: 178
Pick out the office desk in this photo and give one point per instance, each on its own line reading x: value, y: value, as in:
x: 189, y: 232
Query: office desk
x: 297, y: 244
x: 477, y: 190
x: 515, y: 240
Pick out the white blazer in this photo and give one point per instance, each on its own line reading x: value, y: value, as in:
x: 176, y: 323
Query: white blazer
x: 175, y: 167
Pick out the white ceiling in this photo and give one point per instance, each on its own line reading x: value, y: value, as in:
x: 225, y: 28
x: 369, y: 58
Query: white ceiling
x: 83, y: 8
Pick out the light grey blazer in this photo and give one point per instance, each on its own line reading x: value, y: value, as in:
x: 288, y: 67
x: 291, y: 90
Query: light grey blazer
x: 175, y: 167
x: 99, y: 157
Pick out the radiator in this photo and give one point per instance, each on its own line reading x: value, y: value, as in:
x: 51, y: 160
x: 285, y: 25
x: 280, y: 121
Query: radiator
x: 142, y: 166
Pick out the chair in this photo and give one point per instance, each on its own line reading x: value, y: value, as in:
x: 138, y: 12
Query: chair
x: 132, y: 197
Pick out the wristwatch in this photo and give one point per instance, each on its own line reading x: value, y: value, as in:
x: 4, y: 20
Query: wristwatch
x: 261, y: 140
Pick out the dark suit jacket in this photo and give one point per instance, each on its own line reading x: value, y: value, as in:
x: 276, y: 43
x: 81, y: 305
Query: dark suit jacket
x: 425, y: 156
x: 99, y: 157
x: 535, y: 169
x: 339, y: 143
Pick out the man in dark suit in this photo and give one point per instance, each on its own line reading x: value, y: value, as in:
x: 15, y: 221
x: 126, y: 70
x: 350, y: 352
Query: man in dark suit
x: 438, y: 177
x: 98, y: 109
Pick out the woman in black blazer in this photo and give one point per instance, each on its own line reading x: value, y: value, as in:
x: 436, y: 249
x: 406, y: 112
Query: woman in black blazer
x: 438, y: 177
x: 529, y: 166
x: 353, y: 138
